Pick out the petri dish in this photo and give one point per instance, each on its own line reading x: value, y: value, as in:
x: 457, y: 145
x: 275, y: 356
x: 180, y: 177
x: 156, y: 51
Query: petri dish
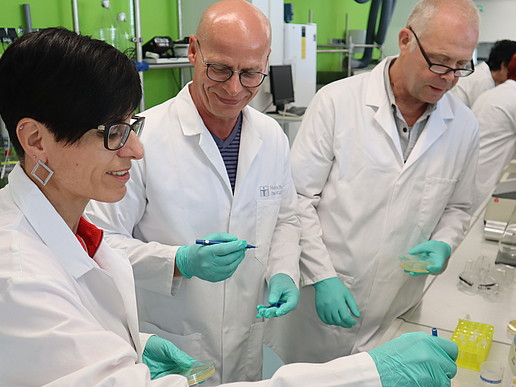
x: 416, y: 263
x: 199, y: 372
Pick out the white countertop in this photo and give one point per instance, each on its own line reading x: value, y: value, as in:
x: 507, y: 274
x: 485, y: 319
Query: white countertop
x: 443, y: 304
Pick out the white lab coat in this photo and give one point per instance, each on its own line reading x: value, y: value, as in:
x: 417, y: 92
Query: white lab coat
x: 180, y: 191
x: 469, y: 88
x: 362, y: 207
x: 68, y: 320
x: 496, y: 114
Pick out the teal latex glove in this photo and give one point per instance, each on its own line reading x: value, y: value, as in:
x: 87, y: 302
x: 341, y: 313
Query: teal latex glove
x: 437, y: 251
x: 164, y: 358
x: 416, y: 359
x: 283, y: 291
x: 211, y: 263
x: 334, y: 301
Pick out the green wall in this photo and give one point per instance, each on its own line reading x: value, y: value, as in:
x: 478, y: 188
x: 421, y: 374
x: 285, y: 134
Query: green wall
x: 159, y: 85
x: 159, y: 17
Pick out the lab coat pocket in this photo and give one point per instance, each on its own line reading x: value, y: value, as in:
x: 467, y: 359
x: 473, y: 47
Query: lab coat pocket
x: 254, y: 355
x: 191, y: 344
x: 267, y: 211
x: 436, y: 195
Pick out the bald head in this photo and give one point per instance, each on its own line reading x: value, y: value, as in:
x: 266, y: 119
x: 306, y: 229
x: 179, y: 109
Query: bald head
x: 233, y: 20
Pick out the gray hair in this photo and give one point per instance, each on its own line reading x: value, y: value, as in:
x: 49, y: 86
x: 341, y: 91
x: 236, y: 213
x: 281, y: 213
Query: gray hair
x: 425, y: 12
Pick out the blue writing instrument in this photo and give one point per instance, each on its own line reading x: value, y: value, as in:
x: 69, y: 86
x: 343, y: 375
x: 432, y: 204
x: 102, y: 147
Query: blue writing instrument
x: 206, y: 242
x: 434, y: 332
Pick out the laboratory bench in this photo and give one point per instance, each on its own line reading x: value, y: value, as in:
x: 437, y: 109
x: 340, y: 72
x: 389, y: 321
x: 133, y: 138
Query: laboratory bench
x: 443, y: 304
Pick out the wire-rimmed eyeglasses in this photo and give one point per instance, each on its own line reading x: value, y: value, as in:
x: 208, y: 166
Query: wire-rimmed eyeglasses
x: 443, y: 69
x: 221, y: 73
x: 116, y: 135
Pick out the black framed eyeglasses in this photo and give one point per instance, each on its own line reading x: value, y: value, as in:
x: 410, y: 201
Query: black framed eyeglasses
x: 116, y: 135
x: 443, y: 69
x: 221, y: 73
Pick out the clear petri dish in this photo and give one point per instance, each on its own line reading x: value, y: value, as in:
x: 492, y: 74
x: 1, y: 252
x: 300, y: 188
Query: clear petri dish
x: 415, y: 263
x: 199, y: 372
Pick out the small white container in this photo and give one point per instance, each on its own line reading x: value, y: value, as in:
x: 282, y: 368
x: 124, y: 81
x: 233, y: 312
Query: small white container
x: 181, y: 50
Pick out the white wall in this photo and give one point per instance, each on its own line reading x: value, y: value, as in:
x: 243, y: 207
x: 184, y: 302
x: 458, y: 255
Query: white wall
x: 398, y: 21
x: 498, y: 20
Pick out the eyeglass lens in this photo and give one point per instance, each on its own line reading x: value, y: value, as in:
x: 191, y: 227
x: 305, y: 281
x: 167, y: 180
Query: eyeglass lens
x: 118, y: 134
x: 221, y: 73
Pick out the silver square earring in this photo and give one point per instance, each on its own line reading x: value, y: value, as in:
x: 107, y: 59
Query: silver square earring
x: 35, y: 169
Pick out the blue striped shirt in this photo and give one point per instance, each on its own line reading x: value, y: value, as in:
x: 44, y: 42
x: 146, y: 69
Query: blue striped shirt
x: 229, y: 150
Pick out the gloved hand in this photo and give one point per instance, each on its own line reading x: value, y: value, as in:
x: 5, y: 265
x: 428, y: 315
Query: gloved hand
x: 416, y: 359
x: 211, y: 263
x: 437, y: 251
x: 282, y: 290
x: 334, y: 301
x: 164, y: 358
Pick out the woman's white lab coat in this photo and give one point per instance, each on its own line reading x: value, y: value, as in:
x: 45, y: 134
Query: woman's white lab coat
x: 496, y: 114
x: 66, y: 319
x: 180, y: 192
x: 69, y: 320
x: 362, y: 206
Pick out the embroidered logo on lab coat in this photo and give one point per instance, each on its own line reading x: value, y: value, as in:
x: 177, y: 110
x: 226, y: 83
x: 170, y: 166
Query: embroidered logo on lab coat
x: 270, y: 190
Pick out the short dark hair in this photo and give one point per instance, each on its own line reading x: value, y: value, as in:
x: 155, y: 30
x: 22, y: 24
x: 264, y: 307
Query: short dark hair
x: 501, y: 52
x: 68, y: 82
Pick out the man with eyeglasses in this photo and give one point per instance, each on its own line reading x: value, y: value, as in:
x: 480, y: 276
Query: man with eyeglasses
x: 384, y: 165
x: 213, y: 165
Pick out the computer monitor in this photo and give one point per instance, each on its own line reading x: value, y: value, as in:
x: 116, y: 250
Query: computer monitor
x: 282, y: 87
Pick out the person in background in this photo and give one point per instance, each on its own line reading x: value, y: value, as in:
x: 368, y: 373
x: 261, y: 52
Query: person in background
x: 384, y: 164
x: 495, y: 110
x: 487, y: 74
x: 67, y: 300
x: 213, y: 165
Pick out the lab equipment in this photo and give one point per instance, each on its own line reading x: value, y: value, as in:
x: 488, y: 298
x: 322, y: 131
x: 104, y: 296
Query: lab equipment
x: 162, y: 46
x: 481, y: 276
x: 501, y: 203
x: 296, y: 110
x: 509, y: 376
x: 211, y: 263
x: 163, y: 358
x: 405, y: 361
x: 199, y: 371
x: 206, y: 242
x: 491, y: 372
x: 415, y: 263
x: 300, y: 51
x: 334, y: 301
x: 124, y: 35
x: 469, y: 278
x: 282, y: 86
x: 283, y: 297
x: 106, y: 30
x: 507, y: 245
x: 474, y: 341
x: 434, y: 332
x: 437, y: 251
